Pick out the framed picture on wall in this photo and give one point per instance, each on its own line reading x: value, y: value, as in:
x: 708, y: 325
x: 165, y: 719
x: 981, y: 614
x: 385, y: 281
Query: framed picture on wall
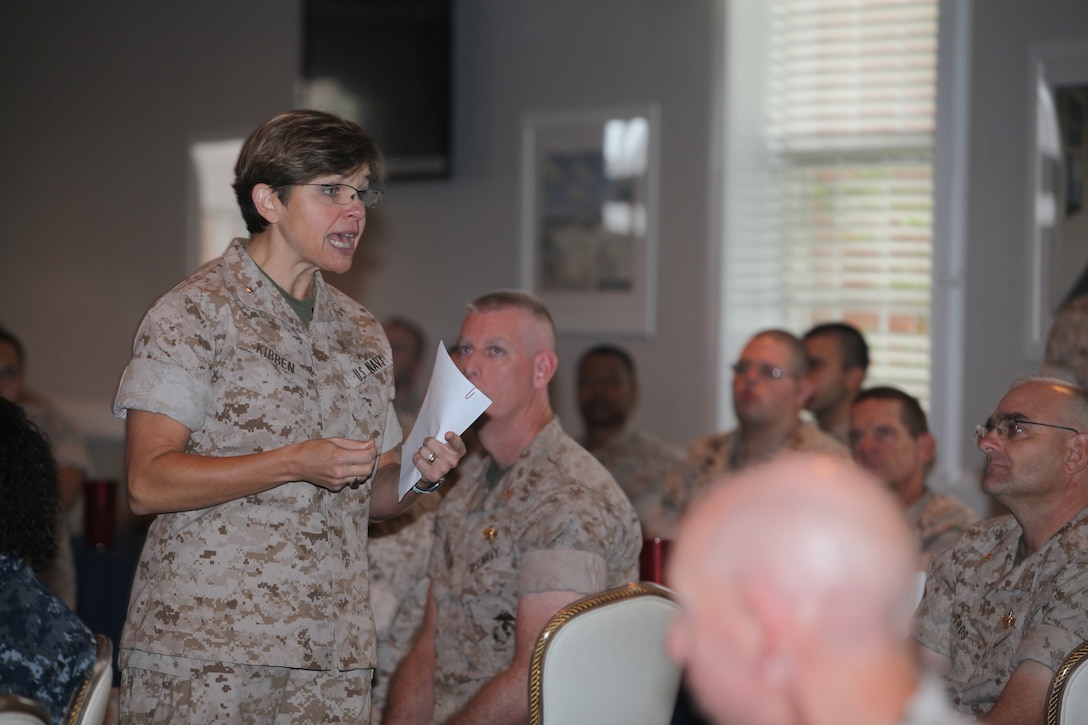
x: 1058, y: 154
x: 589, y: 222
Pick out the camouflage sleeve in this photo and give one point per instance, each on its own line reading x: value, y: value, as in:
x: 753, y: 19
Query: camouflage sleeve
x: 1060, y: 625
x: 549, y: 570
x: 392, y: 434
x: 565, y: 543
x: 160, y: 387
x: 170, y: 370
x: 933, y: 616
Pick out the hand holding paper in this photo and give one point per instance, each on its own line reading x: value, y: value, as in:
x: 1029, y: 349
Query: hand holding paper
x: 451, y: 403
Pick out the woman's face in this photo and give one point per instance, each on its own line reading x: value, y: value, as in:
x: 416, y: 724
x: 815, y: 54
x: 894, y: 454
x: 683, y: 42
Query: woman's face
x: 316, y: 231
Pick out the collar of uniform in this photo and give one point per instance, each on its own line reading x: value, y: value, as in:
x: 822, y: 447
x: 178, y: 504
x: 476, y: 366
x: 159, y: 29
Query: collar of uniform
x: 542, y: 443
x: 254, y: 290
x: 1000, y: 561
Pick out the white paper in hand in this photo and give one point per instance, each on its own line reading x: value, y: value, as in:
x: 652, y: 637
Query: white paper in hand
x: 451, y: 403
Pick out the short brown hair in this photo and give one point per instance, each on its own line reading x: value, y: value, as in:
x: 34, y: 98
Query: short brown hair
x: 507, y: 298
x: 910, y: 410
x: 297, y: 147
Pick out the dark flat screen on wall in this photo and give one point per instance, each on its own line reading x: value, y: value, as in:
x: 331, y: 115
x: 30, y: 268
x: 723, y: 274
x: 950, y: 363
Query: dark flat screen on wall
x: 387, y: 65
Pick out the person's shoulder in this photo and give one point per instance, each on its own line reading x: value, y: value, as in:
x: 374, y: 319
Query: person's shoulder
x: 47, y: 617
x: 1074, y: 536
x: 652, y: 444
x: 707, y: 446
x: 564, y: 470
x: 940, y: 505
x: 343, y: 305
x: 984, y: 534
x: 810, y: 439
x: 556, y: 449
x: 195, y: 296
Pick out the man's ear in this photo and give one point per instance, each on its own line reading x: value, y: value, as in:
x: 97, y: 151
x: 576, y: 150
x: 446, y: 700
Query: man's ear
x: 1076, y: 456
x: 774, y: 619
x: 855, y: 376
x: 267, y: 202
x: 927, y: 448
x: 545, y: 364
x: 805, y: 390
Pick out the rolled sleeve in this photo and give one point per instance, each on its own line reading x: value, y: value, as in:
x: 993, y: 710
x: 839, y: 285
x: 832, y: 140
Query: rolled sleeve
x: 391, y: 432
x: 561, y: 570
x: 934, y: 613
x: 162, y: 387
x: 1046, y: 644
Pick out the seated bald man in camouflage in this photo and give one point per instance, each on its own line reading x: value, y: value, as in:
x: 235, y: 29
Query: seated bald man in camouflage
x: 534, y: 524
x: 1006, y: 604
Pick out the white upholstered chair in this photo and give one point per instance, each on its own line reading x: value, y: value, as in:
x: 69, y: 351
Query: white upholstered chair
x: 602, y: 660
x: 19, y: 710
x: 88, y: 705
x: 1067, y: 703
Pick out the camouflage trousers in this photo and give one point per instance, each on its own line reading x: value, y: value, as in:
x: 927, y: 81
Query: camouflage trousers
x: 166, y: 689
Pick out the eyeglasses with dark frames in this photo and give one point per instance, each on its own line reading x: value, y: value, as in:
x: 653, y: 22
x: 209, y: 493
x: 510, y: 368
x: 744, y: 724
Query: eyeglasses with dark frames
x: 1009, y: 429
x: 344, y: 194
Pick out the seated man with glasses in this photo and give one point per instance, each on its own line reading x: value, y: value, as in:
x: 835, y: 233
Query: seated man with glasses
x: 1006, y: 604
x: 770, y: 388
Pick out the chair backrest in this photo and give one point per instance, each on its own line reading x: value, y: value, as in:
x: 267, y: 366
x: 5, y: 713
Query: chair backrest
x: 1068, y: 700
x: 602, y: 660
x: 20, y: 710
x: 88, y: 706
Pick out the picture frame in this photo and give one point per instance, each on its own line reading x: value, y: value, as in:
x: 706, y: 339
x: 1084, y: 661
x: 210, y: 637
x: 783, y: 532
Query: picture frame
x: 590, y: 217
x: 1057, y: 261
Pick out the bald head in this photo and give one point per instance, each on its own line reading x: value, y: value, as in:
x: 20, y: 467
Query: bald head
x: 783, y: 572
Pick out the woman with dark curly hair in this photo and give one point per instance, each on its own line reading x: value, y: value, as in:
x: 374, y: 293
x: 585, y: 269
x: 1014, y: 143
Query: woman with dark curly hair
x: 45, y: 650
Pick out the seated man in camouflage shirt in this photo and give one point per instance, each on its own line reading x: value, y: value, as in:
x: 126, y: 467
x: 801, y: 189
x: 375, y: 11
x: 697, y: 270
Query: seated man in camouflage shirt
x: 608, y: 393
x: 1005, y: 605
x: 532, y: 525
x: 889, y: 435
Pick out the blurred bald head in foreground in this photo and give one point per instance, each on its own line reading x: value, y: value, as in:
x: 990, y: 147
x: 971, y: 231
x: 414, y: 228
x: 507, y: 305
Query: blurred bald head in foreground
x: 797, y: 582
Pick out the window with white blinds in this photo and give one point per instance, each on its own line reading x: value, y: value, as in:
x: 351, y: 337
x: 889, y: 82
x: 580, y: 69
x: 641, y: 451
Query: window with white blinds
x: 831, y: 184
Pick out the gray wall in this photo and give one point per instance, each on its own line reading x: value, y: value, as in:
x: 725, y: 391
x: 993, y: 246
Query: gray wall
x: 1000, y: 103
x: 103, y: 99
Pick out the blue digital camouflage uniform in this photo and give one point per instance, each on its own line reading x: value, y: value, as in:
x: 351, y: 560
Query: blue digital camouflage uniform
x: 277, y: 578
x: 556, y: 521
x: 46, y: 652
